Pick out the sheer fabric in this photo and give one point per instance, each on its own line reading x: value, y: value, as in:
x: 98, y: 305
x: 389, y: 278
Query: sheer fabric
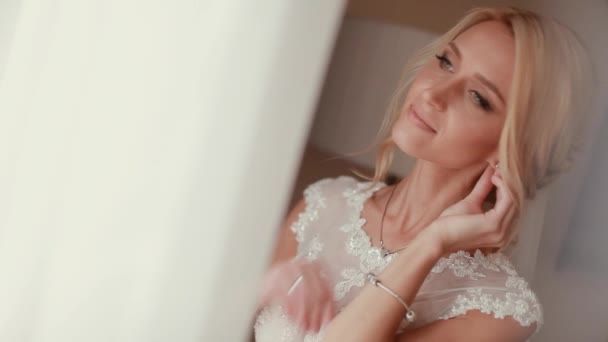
x: 330, y: 231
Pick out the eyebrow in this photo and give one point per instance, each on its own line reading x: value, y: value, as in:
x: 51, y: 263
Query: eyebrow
x: 482, y: 79
x: 455, y: 48
x: 490, y: 85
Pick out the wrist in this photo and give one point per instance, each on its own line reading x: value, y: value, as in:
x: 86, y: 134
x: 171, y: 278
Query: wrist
x: 431, y: 241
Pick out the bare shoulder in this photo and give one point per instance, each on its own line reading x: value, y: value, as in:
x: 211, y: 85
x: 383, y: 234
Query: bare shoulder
x: 286, y: 244
x: 472, y: 326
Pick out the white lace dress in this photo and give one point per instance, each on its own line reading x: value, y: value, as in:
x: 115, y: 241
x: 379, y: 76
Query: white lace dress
x: 330, y: 230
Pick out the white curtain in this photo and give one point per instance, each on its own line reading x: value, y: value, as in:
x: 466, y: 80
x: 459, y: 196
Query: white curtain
x: 146, y: 149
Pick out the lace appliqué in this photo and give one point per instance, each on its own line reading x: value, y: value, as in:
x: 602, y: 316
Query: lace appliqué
x: 315, y: 247
x: 516, y: 299
x: 523, y: 307
x: 463, y: 264
x: 315, y: 201
x: 273, y: 319
x: 358, y: 242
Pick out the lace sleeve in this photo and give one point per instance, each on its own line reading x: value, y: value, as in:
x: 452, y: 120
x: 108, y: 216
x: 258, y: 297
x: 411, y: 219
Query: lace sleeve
x: 489, y: 284
x: 316, y: 200
x: 314, y: 203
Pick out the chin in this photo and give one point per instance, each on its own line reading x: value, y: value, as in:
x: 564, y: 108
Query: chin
x: 408, y: 141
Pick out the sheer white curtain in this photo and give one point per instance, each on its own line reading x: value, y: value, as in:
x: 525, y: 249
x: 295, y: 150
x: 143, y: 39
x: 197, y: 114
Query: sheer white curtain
x: 146, y: 150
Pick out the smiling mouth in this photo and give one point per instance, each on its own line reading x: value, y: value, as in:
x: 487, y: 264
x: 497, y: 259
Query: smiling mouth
x: 418, y: 121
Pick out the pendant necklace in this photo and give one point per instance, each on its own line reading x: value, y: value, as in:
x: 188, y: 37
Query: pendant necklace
x: 385, y: 251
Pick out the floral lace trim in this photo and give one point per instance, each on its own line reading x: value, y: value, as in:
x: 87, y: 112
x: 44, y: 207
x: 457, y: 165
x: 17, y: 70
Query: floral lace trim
x: 272, y: 320
x: 314, y: 248
x: 463, y: 264
x: 315, y: 201
x: 522, y: 306
x: 519, y: 301
x: 358, y: 242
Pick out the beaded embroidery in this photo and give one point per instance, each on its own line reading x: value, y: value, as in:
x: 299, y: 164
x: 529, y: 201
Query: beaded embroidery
x: 358, y: 243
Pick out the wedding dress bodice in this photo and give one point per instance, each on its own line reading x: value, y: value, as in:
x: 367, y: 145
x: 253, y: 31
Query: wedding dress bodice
x: 330, y: 231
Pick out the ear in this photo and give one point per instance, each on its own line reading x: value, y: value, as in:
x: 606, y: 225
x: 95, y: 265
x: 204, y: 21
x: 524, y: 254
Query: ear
x: 492, y: 158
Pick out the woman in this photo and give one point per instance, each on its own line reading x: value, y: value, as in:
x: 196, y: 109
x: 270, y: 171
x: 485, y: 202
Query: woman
x: 488, y: 111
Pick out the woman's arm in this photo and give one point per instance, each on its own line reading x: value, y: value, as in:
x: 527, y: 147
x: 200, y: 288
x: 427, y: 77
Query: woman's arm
x: 473, y: 326
x: 374, y: 315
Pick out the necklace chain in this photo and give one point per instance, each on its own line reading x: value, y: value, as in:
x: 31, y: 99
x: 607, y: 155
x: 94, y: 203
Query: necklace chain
x: 385, y: 251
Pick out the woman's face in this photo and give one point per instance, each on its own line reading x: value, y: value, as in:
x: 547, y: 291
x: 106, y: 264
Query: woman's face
x: 455, y: 109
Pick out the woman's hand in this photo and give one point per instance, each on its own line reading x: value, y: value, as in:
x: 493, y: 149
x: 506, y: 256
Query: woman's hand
x: 465, y: 226
x: 308, y: 301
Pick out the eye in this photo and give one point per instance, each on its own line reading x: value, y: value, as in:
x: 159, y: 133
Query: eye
x: 480, y: 101
x: 444, y: 62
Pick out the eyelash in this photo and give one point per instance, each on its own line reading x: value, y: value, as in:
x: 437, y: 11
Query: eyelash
x: 446, y: 64
x: 480, y: 101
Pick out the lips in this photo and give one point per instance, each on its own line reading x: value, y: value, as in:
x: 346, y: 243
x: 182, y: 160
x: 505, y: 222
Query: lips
x: 419, y: 121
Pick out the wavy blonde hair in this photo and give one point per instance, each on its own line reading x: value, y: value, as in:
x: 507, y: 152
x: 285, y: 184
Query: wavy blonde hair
x: 545, y: 105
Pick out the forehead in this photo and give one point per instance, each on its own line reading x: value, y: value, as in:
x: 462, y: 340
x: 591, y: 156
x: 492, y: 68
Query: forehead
x: 488, y: 48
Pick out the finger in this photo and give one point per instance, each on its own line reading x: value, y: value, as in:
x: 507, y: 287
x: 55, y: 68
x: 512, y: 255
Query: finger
x: 512, y: 234
x: 302, y: 320
x: 317, y: 302
x: 501, y: 216
x: 332, y: 309
x: 313, y: 319
x: 302, y: 307
x: 316, y: 317
x: 498, y: 172
x: 482, y: 187
x: 504, y: 201
x: 292, y: 307
x: 298, y: 294
x: 328, y: 312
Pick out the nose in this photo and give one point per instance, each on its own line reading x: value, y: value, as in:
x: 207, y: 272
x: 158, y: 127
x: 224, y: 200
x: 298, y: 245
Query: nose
x: 436, y: 96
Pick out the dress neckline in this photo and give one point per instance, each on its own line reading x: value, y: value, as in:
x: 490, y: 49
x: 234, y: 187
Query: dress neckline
x: 356, y: 197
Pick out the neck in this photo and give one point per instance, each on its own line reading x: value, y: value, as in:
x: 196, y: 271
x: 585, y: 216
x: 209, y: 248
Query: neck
x: 426, y: 192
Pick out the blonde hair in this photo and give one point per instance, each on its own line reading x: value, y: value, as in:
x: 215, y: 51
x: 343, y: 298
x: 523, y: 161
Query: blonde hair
x: 547, y: 93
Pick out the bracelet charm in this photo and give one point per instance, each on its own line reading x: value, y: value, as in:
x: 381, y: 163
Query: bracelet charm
x: 410, y: 315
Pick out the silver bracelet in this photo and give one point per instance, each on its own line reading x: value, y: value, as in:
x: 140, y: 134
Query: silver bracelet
x: 409, y: 314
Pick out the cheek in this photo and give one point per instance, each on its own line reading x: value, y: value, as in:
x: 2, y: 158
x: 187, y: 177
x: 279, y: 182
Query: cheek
x: 467, y: 143
x: 462, y: 143
x: 426, y: 78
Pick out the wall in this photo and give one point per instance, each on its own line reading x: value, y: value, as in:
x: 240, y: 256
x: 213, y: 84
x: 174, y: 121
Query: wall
x: 429, y: 15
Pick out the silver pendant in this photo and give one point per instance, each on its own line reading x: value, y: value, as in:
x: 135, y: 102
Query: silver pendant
x: 385, y: 252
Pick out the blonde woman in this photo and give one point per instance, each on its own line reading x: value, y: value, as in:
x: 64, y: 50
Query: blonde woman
x: 489, y: 112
